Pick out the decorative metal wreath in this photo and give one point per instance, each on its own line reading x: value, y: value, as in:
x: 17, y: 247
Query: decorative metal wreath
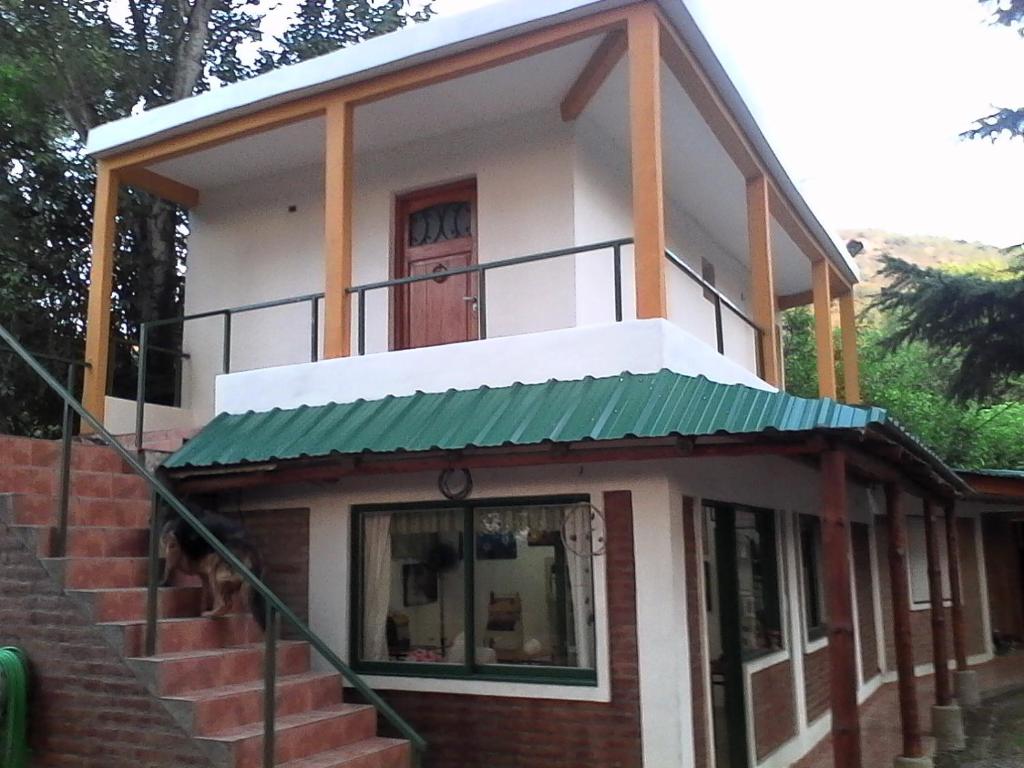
x: 585, y: 540
x: 455, y: 492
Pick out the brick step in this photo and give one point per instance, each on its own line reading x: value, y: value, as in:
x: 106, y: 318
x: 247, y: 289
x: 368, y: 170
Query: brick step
x: 175, y: 674
x: 191, y: 634
x: 129, y: 604
x: 92, y: 541
x: 375, y: 752
x: 98, y: 572
x: 215, y: 710
x: 84, y: 511
x: 297, y: 736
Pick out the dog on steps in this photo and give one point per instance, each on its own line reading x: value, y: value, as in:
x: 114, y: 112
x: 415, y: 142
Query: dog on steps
x: 185, y: 551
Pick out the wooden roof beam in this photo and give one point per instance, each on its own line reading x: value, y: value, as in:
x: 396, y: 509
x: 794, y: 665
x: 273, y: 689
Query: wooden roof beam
x: 608, y: 54
x: 161, y: 186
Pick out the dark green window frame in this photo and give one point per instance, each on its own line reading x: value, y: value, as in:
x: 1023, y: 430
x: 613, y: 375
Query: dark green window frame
x: 812, y: 577
x: 469, y: 670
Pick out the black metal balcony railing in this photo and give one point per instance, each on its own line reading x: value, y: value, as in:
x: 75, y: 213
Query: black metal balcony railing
x: 721, y: 304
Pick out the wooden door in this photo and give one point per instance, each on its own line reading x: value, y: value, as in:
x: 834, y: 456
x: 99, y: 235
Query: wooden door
x: 435, y: 233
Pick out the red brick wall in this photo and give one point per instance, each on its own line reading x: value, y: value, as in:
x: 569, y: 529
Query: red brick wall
x: 774, y: 708
x: 695, y: 626
x: 282, y: 538
x: 1003, y: 568
x: 493, y: 732
x: 860, y: 534
x: 816, y: 683
x: 88, y: 710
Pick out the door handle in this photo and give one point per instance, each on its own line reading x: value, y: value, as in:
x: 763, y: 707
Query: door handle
x: 475, y: 300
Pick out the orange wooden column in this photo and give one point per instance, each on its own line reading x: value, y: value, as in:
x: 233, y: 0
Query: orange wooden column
x: 910, y: 718
x: 835, y: 535
x: 823, y: 328
x: 959, y: 624
x: 643, y: 35
x: 762, y: 278
x: 851, y: 360
x: 339, y: 159
x: 943, y: 691
x: 101, y: 285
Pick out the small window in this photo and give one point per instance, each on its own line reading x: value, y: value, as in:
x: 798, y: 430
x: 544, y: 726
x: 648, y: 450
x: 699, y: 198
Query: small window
x: 917, y: 560
x: 757, y: 569
x: 813, y: 578
x: 707, y: 271
x: 492, y: 591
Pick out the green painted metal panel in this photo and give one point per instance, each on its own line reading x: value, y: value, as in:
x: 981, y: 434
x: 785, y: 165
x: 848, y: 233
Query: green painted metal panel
x: 659, y: 404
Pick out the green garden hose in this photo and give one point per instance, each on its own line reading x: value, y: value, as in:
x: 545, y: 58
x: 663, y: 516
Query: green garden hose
x: 13, y: 707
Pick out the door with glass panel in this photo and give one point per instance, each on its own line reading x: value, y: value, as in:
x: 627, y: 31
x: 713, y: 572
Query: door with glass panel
x: 435, y: 233
x: 744, y: 619
x: 501, y: 589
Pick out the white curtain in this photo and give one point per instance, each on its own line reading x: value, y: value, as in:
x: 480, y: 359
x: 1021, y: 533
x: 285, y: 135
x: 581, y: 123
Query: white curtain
x: 376, y: 586
x: 577, y: 528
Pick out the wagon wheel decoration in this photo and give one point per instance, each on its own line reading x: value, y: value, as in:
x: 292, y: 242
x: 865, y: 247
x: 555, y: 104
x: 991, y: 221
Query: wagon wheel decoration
x: 583, y: 530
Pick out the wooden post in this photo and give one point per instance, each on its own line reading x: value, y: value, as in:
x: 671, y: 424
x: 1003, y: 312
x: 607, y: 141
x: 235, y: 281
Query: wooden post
x: 851, y: 363
x: 339, y: 159
x: 762, y: 280
x: 959, y: 626
x: 900, y: 588
x: 943, y: 693
x: 835, y: 534
x: 823, y: 328
x: 643, y: 33
x: 101, y: 285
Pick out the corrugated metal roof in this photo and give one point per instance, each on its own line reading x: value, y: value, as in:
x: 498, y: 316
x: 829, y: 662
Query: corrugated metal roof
x: 659, y: 404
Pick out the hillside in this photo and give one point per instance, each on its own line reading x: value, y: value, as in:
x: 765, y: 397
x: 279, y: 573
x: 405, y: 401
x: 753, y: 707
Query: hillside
x: 923, y: 250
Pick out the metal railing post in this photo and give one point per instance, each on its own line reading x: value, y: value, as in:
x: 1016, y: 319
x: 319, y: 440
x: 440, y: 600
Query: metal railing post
x: 153, y: 583
x: 65, y: 468
x: 314, y: 330
x: 270, y: 686
x: 143, y: 341
x: 719, y: 334
x: 617, y: 267
x: 227, y: 341
x: 481, y: 304
x: 361, y: 322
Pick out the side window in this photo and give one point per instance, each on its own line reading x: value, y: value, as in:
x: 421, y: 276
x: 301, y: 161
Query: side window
x: 917, y: 560
x: 812, y: 577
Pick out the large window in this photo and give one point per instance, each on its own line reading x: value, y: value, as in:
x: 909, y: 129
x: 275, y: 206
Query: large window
x: 491, y: 590
x: 812, y: 577
x: 758, y: 577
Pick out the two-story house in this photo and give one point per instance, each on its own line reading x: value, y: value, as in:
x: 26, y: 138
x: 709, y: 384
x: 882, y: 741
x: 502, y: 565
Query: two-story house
x: 482, y: 326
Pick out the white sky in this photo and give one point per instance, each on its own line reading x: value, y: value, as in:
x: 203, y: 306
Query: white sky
x: 863, y: 102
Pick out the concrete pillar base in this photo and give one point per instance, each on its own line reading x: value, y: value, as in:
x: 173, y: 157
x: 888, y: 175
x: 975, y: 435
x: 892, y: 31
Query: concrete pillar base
x: 968, y: 691
x: 948, y: 728
x: 912, y: 762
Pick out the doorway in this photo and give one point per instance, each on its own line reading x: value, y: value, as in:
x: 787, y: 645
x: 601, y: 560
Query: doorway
x: 435, y: 233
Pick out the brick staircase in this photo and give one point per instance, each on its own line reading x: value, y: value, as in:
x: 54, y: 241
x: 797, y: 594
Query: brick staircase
x: 207, y: 672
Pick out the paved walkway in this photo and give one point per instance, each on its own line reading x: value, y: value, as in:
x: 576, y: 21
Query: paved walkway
x: 1001, y: 717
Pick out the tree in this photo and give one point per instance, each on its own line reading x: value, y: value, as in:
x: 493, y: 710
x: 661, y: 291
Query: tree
x: 975, y: 317
x: 65, y: 67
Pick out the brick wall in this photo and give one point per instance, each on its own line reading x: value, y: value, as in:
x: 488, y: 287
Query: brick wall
x: 860, y: 535
x: 816, y: 683
x: 1003, y: 568
x: 774, y: 708
x: 282, y: 538
x: 695, y: 614
x: 493, y: 732
x: 88, y: 710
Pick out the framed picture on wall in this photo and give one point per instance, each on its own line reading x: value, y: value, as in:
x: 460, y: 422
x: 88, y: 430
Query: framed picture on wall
x: 419, y: 585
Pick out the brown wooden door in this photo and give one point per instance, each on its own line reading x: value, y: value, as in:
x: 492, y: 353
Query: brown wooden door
x: 435, y: 233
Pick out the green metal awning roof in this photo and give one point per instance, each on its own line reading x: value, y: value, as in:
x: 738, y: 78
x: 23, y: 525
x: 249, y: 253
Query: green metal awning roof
x: 662, y: 404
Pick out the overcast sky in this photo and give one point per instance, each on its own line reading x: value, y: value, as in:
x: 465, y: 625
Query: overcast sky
x: 863, y: 101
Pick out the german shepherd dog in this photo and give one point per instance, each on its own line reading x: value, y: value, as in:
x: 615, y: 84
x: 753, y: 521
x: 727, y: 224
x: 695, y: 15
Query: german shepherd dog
x: 185, y: 551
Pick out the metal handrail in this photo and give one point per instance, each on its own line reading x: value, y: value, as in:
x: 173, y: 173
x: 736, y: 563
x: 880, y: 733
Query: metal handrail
x: 720, y: 300
x: 276, y: 609
x: 481, y: 271
x: 313, y: 299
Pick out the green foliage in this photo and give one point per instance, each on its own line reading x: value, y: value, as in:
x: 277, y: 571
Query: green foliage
x: 910, y: 382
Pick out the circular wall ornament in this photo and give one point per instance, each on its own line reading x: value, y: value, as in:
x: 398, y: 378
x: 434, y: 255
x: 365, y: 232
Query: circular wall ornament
x: 455, y: 484
x: 583, y: 530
